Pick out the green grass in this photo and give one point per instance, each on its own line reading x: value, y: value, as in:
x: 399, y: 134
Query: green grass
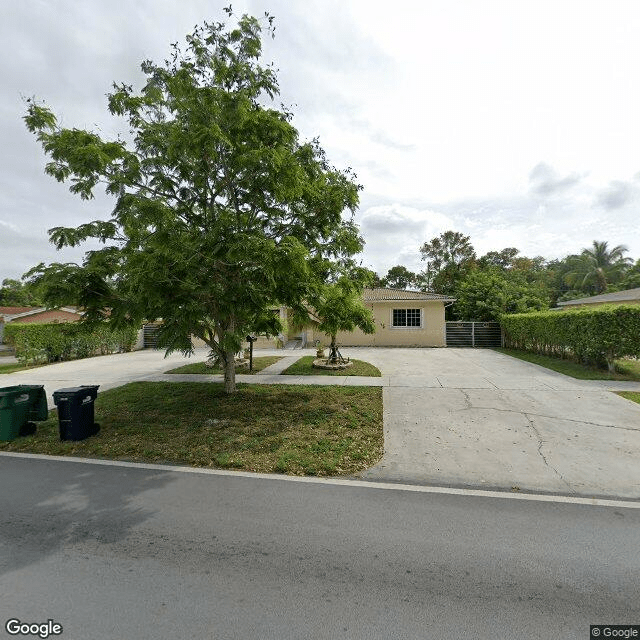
x: 303, y: 367
x: 293, y: 429
x: 259, y: 363
x: 13, y: 367
x: 634, y: 396
x: 626, y: 369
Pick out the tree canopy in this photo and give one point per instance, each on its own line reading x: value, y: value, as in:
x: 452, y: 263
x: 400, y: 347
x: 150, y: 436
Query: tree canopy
x: 220, y: 210
x: 14, y: 293
x: 338, y: 306
x: 449, y: 257
x: 486, y: 294
x: 597, y: 267
x: 399, y: 277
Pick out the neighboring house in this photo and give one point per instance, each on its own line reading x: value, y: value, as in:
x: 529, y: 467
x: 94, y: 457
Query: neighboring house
x: 628, y: 296
x: 403, y: 319
x: 39, y: 315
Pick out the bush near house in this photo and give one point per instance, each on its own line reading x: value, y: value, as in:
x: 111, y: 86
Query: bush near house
x: 589, y: 335
x: 37, y: 343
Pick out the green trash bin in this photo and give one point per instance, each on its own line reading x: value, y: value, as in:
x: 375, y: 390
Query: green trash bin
x: 15, y: 406
x: 38, y: 410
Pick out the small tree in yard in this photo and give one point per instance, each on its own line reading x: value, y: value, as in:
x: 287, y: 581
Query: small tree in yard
x: 219, y: 209
x: 337, y: 306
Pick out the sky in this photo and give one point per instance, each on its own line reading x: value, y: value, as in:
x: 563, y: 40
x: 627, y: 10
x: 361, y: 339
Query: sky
x: 516, y: 123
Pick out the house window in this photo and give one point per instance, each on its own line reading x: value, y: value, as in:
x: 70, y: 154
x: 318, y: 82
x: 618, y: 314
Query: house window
x: 407, y: 318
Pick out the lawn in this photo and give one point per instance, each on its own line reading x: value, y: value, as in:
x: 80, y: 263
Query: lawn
x: 293, y: 429
x: 303, y: 367
x: 634, y: 396
x: 626, y: 369
x: 13, y: 367
x: 259, y: 363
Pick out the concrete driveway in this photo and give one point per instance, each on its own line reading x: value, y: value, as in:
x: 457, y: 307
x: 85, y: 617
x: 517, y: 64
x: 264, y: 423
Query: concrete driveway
x: 478, y: 418
x: 107, y: 371
x: 454, y: 417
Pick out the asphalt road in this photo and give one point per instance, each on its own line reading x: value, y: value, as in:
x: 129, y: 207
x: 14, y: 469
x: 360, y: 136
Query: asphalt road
x: 115, y: 552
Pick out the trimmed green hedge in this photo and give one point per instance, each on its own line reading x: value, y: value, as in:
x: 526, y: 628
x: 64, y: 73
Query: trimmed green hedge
x: 35, y: 343
x: 590, y: 335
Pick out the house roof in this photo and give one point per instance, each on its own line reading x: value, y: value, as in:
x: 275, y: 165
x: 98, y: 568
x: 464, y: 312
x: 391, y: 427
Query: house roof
x: 12, y: 311
x: 616, y: 296
x: 377, y: 295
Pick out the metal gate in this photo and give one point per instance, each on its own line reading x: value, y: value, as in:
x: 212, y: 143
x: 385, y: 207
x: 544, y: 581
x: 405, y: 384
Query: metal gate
x: 474, y: 334
x: 150, y: 335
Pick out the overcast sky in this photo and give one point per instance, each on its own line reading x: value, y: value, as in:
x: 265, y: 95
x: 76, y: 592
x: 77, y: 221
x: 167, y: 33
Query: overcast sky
x: 515, y: 122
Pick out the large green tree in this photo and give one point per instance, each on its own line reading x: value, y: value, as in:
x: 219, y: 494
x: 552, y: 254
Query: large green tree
x: 220, y: 210
x: 449, y: 257
x: 486, y: 294
x: 399, y: 277
x: 14, y: 293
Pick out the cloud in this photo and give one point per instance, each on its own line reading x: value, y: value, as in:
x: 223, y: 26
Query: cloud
x: 396, y: 219
x: 616, y: 195
x: 394, y: 234
x: 544, y: 180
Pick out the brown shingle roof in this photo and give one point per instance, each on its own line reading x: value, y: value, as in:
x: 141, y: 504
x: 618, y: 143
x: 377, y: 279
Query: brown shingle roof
x: 11, y: 311
x: 616, y: 296
x: 376, y: 295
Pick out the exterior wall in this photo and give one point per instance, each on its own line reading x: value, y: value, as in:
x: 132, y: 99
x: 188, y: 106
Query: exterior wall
x: 55, y: 315
x: 139, y: 345
x: 261, y: 343
x: 430, y: 334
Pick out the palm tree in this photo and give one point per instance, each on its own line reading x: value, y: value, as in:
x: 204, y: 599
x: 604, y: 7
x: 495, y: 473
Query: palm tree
x: 597, y: 267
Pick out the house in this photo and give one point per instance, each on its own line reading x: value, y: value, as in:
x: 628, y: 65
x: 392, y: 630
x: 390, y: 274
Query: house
x: 38, y: 315
x: 628, y: 296
x: 403, y: 319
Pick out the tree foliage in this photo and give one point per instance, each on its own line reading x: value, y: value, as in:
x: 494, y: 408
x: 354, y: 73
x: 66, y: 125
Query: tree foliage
x: 399, y: 277
x: 220, y: 210
x: 449, y: 257
x: 338, y: 306
x: 597, y: 267
x: 486, y: 294
x: 14, y: 293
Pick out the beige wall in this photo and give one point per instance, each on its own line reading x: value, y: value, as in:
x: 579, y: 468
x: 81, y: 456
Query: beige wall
x: 430, y: 334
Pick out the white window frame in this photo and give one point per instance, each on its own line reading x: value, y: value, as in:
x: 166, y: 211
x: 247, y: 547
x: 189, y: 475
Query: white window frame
x: 406, y: 328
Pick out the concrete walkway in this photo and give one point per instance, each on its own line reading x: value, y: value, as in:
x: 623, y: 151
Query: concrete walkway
x: 280, y: 366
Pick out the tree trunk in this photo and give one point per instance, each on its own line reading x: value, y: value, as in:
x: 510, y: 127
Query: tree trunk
x: 611, y: 363
x: 229, y: 372
x: 333, y: 354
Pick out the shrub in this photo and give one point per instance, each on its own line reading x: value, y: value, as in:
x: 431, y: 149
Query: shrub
x: 36, y: 343
x: 590, y: 335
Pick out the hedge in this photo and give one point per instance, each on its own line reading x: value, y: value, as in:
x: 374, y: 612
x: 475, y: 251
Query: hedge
x: 35, y: 343
x: 594, y: 335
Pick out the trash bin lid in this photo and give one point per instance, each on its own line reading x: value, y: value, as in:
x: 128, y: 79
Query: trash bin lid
x: 12, y: 391
x: 80, y: 389
x: 76, y: 392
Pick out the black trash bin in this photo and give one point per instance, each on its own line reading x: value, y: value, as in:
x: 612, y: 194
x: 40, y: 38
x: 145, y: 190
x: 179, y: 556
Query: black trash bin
x: 76, y: 411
